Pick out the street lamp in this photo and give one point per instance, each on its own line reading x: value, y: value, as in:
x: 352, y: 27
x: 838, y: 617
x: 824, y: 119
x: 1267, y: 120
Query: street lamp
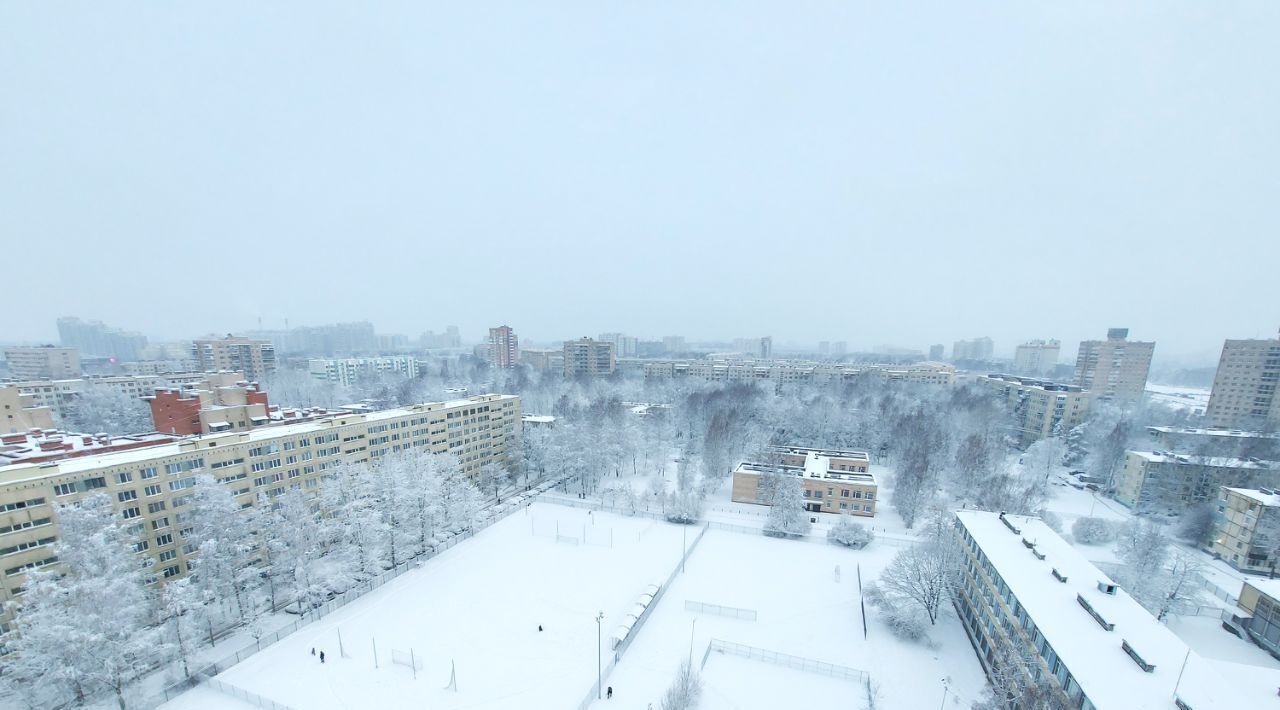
x: 944, y: 694
x: 599, y: 652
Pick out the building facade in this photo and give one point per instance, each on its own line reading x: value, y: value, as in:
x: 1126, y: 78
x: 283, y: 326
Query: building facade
x: 977, y: 349
x: 149, y: 486
x: 504, y: 347
x: 221, y: 403
x: 96, y: 338
x: 1261, y: 599
x: 351, y: 370
x: 1160, y: 481
x: 798, y: 371
x: 1247, y: 535
x: 1032, y: 605
x: 832, y: 481
x: 20, y: 413
x: 1114, y: 369
x: 42, y: 362
x: 1244, y: 388
x: 1040, y: 408
x: 255, y: 358
x: 60, y: 395
x: 589, y: 358
x: 1037, y: 357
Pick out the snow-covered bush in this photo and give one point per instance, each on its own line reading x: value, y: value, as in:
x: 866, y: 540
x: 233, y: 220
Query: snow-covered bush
x: 787, y: 515
x: 905, y: 620
x: 1093, y: 531
x: 849, y: 533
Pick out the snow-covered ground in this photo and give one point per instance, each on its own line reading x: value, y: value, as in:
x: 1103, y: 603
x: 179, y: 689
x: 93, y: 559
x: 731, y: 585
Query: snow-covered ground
x: 478, y: 606
x: 1194, y: 399
x: 802, y: 610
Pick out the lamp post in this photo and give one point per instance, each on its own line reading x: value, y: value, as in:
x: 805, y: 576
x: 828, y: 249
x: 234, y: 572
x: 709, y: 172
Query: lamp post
x: 599, y: 662
x: 691, y: 631
x: 944, y: 694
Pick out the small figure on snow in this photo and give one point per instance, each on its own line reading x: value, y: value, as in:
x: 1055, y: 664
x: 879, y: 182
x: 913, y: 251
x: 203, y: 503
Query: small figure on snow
x: 539, y: 627
x: 313, y: 650
x: 608, y: 694
x: 322, y: 656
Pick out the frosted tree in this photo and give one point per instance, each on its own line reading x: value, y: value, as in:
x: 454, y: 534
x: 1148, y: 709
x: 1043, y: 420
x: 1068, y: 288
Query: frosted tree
x: 850, y: 533
x: 89, y: 626
x: 1198, y: 524
x: 787, y: 515
x: 1017, y: 681
x: 101, y: 408
x: 685, y: 691
x: 390, y: 483
x: 490, y: 479
x: 1093, y: 531
x: 460, y: 498
x: 1180, y: 586
x: 224, y: 566
x: 424, y: 508
x: 1044, y: 457
x: 295, y: 542
x: 352, y: 518
x: 184, y: 607
x: 1144, y: 547
x: 924, y: 575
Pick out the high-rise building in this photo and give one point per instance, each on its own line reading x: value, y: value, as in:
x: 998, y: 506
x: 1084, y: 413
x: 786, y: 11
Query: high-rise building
x: 588, y: 357
x: 44, y: 362
x: 1114, y: 369
x: 255, y: 358
x: 761, y: 348
x: 1040, y: 408
x: 936, y: 352
x: 504, y: 347
x: 623, y: 345
x: 1037, y: 357
x: 93, y: 338
x: 1244, y: 388
x: 977, y: 349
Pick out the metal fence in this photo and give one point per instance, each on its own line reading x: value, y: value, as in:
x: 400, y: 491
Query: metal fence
x: 732, y: 612
x: 799, y: 663
x: 241, y: 694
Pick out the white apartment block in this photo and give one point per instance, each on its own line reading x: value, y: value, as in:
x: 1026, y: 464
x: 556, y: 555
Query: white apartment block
x: 1247, y: 535
x: 1024, y: 591
x: 1037, y: 357
x: 1040, y: 408
x: 148, y: 485
x: 1114, y: 369
x: 348, y: 371
x: 798, y: 371
x: 45, y: 361
x: 1161, y: 481
x: 255, y: 358
x: 587, y: 357
x: 59, y: 394
x: 1244, y: 388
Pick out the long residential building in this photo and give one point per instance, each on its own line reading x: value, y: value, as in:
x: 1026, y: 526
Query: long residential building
x: 1040, y: 408
x: 833, y: 481
x: 1244, y: 387
x: 43, y: 361
x: 1114, y: 369
x: 351, y: 370
x: 1037, y: 357
x: 148, y: 486
x: 1026, y: 594
x: 96, y: 338
x: 59, y: 395
x: 1161, y: 481
x: 1260, y: 598
x: 589, y: 358
x: 798, y: 371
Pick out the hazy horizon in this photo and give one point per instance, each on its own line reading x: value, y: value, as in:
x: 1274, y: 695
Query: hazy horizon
x: 904, y: 175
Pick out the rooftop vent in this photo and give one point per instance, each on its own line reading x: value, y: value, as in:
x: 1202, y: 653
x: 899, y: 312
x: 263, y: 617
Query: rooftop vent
x: 1010, y: 525
x: 1108, y: 588
x: 1096, y: 616
x: 1059, y: 576
x: 1136, y: 658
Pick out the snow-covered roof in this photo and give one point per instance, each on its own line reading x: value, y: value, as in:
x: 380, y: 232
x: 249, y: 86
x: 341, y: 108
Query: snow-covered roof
x: 1266, y: 496
x: 1269, y: 587
x: 539, y: 418
x: 1216, y: 461
x: 1094, y: 656
x: 1230, y: 433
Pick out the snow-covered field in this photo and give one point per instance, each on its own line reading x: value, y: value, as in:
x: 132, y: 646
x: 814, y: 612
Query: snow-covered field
x: 477, y: 606
x: 802, y: 610
x: 1194, y: 399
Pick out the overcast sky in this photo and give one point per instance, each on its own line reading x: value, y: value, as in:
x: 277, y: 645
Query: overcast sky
x: 901, y: 173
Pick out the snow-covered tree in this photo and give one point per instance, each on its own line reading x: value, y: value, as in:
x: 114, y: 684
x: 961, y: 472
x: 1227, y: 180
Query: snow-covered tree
x: 89, y: 626
x: 922, y: 574
x: 1017, y: 682
x: 1093, y: 531
x: 1198, y: 524
x: 184, y: 606
x: 224, y: 568
x: 295, y: 541
x: 460, y: 498
x: 101, y: 408
x: 850, y: 533
x: 1180, y: 586
x: 787, y: 515
x: 352, y: 519
x: 685, y: 691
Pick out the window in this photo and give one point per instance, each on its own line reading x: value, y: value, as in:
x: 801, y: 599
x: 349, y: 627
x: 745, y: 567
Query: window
x: 171, y: 571
x: 123, y: 496
x: 168, y: 555
x: 64, y: 489
x: 159, y: 523
x: 156, y: 507
x: 148, y: 472
x: 129, y: 513
x: 844, y: 493
x: 151, y: 490
x: 165, y: 539
x: 124, y: 477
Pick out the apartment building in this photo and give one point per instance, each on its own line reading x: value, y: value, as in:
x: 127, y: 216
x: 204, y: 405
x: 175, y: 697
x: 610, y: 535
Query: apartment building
x: 542, y: 359
x: 798, y: 371
x: 1025, y: 593
x: 1037, y: 357
x: 588, y: 357
x: 937, y: 351
x: 761, y: 348
x: 833, y: 481
x: 1162, y: 481
x: 255, y: 358
x: 1040, y: 408
x: 221, y: 403
x: 148, y: 485
x: 351, y: 370
x: 96, y: 338
x: 19, y: 412
x: 1215, y: 442
x: 1247, y: 535
x: 1244, y: 388
x: 504, y: 347
x: 60, y: 395
x: 1261, y: 599
x: 158, y: 367
x: 977, y: 349
x: 1114, y: 369
x: 42, y: 362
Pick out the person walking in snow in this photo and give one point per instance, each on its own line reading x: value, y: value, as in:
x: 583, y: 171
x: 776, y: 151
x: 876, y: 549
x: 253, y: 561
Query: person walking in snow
x: 609, y: 693
x: 313, y: 650
x: 322, y: 656
x: 539, y: 627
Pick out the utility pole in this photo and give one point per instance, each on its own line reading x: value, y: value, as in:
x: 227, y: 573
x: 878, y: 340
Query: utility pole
x: 599, y: 662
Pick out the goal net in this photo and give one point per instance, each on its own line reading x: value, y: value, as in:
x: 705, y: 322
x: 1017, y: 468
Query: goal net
x: 406, y: 658
x: 568, y: 539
